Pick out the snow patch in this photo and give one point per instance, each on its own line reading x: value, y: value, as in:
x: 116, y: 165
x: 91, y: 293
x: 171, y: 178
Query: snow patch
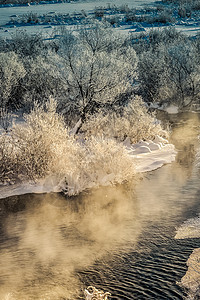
x: 172, y: 109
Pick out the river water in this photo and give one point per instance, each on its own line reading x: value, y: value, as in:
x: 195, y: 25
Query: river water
x: 119, y: 239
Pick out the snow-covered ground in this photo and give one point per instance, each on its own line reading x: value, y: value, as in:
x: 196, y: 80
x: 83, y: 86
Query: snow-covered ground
x: 64, y: 8
x: 148, y: 156
x: 6, y: 13
x: 189, y: 26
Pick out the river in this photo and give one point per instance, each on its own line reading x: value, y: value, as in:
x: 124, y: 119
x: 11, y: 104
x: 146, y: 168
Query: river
x: 119, y: 239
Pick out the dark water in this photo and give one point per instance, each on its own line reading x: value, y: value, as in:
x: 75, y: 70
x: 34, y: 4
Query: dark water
x: 119, y: 239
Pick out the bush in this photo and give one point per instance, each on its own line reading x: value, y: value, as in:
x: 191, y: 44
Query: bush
x: 164, y: 17
x: 185, y: 7
x: 155, y: 38
x: 133, y: 122
x: 42, y: 146
x: 106, y: 161
x: 99, y: 12
x: 29, y: 18
x: 113, y: 20
x: 38, y: 147
x: 30, y: 72
x: 130, y: 16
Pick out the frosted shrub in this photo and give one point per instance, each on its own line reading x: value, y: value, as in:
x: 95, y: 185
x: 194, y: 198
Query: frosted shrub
x: 152, y: 74
x: 134, y: 122
x: 96, y: 161
x: 99, y: 12
x: 42, y: 147
x: 156, y: 38
x: 184, y: 65
x: 162, y: 17
x: 106, y: 161
x: 30, y: 72
x: 41, y: 140
x: 35, y: 143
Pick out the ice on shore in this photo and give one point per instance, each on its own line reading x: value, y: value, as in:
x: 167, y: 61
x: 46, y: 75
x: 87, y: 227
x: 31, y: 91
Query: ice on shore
x: 189, y: 229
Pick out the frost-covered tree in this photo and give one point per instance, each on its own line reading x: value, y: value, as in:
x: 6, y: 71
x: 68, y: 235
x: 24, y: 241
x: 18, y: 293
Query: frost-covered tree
x: 96, y: 66
x: 155, y: 38
x: 151, y: 69
x: 11, y: 72
x: 184, y: 66
x: 24, y: 44
x: 42, y: 80
x: 169, y: 72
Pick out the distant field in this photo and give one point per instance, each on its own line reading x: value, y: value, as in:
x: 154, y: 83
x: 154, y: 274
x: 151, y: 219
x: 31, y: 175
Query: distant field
x: 25, y: 1
x: 98, y: 2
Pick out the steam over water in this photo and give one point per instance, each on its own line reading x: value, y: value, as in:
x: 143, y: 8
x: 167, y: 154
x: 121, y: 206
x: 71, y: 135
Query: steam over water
x: 119, y: 239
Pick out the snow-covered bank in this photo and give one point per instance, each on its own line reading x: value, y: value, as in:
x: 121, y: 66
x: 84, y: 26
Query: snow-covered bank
x: 147, y: 156
x: 151, y: 155
x: 191, y: 280
x: 189, y: 229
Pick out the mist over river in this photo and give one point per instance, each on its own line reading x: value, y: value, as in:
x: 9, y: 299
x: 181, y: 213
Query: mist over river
x: 119, y: 239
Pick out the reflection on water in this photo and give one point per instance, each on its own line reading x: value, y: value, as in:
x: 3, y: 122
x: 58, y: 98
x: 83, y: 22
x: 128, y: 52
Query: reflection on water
x: 119, y: 239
